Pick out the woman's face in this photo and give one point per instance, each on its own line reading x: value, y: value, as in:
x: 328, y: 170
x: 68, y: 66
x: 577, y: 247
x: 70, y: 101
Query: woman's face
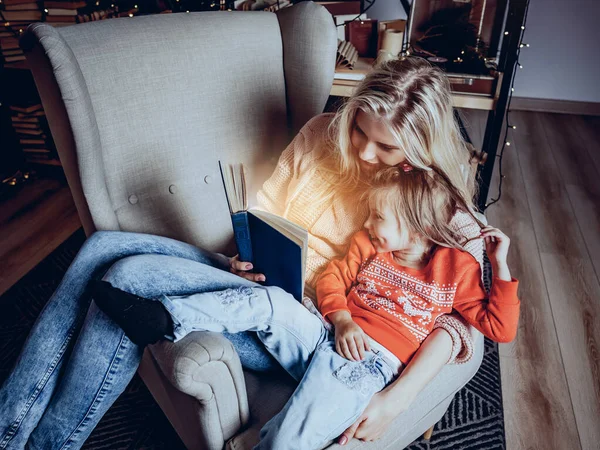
x: 374, y: 144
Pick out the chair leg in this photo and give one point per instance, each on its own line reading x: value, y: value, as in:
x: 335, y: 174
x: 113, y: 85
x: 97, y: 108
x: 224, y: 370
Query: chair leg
x: 428, y: 433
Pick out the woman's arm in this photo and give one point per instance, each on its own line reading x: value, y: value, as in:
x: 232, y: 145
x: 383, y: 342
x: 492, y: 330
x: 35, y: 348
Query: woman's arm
x: 386, y: 405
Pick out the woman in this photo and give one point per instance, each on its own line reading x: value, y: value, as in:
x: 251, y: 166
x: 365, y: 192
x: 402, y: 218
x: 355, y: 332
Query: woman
x: 76, y: 361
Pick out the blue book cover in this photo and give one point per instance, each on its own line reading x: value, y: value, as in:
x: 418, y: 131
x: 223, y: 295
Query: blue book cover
x: 278, y: 248
x: 275, y: 246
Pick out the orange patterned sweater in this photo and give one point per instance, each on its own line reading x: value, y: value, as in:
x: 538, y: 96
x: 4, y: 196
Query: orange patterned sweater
x: 398, y: 306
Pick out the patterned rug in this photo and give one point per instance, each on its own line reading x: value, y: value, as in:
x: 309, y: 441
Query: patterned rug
x: 473, y: 421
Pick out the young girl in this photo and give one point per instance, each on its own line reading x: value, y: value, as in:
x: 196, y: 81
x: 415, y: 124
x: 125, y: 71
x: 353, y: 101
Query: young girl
x: 405, y: 269
x: 76, y: 361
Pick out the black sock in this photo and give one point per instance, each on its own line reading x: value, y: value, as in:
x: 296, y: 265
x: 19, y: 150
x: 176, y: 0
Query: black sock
x: 144, y: 321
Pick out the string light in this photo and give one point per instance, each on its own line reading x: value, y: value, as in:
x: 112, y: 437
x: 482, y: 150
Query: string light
x: 507, y: 143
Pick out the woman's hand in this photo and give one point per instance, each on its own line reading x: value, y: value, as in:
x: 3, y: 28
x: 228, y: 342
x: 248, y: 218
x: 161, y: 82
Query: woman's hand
x: 241, y: 268
x: 376, y: 418
x: 396, y: 398
x: 351, y: 342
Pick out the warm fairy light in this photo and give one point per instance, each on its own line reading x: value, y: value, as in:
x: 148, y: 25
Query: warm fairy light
x: 46, y: 11
x: 130, y: 15
x: 507, y: 143
x: 520, y: 66
x: 135, y: 6
x: 514, y: 127
x: 506, y: 33
x: 522, y: 27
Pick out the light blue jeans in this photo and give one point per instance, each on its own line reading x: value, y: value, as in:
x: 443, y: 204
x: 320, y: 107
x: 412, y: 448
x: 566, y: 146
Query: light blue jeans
x: 76, y: 361
x: 333, y: 391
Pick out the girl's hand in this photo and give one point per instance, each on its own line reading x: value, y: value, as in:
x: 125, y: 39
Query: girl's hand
x: 496, y: 244
x: 351, y: 342
x: 241, y: 268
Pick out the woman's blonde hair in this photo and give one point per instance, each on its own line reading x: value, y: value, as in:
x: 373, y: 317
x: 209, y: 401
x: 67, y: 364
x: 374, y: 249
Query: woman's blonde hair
x: 423, y: 202
x: 413, y: 99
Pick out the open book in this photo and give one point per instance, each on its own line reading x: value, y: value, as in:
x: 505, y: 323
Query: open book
x: 275, y: 246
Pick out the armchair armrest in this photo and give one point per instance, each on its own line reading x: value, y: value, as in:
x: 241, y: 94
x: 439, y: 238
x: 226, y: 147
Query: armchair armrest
x: 206, y: 367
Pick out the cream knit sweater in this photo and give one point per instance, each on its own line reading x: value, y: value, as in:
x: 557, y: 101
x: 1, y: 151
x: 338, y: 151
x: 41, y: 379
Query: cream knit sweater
x: 290, y: 192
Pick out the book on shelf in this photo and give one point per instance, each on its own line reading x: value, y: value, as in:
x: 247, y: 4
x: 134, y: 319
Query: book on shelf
x: 29, y: 15
x: 26, y: 109
x: 44, y: 161
x: 30, y: 141
x: 62, y: 12
x: 346, y: 55
x: 27, y: 132
x: 28, y: 125
x: 65, y: 5
x: 15, y: 2
x: 12, y: 52
x: 40, y: 152
x: 9, y: 43
x: 275, y: 246
x: 24, y: 119
x: 10, y: 59
x: 22, y: 6
x: 61, y: 19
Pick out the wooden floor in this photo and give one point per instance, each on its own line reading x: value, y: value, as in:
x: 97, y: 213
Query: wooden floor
x: 550, y: 207
x: 36, y: 219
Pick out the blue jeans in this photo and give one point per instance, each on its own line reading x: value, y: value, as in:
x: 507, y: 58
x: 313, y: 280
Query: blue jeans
x: 333, y: 391
x: 76, y: 361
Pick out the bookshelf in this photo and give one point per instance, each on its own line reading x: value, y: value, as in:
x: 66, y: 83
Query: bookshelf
x: 22, y: 109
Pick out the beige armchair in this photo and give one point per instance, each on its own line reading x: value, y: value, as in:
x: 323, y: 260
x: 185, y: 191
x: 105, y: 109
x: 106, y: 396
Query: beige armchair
x: 141, y: 110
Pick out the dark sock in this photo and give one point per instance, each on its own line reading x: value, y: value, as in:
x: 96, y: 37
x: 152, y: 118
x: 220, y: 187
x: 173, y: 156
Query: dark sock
x: 144, y: 321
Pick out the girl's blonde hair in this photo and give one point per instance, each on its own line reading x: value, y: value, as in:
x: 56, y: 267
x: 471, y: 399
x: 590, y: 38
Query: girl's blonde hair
x: 423, y: 202
x: 413, y: 99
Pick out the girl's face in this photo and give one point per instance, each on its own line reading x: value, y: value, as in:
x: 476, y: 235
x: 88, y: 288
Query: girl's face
x: 374, y: 144
x: 385, y: 231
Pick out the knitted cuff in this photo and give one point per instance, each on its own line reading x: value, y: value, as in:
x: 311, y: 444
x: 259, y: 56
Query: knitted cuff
x: 462, y: 340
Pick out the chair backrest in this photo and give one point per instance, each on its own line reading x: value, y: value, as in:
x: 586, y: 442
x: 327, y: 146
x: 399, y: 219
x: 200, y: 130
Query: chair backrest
x: 142, y: 109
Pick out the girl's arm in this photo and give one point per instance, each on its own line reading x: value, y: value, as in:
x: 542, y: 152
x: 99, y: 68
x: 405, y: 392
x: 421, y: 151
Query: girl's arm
x: 395, y: 399
x: 498, y: 316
